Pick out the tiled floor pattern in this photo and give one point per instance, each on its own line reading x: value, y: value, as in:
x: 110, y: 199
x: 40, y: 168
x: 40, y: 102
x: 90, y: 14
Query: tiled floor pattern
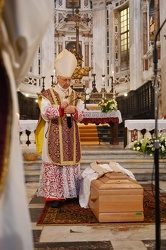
x: 103, y: 236
x: 111, y: 236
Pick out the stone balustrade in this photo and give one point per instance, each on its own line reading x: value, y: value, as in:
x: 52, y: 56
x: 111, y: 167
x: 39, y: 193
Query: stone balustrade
x: 27, y: 127
x: 27, y: 135
x: 138, y: 129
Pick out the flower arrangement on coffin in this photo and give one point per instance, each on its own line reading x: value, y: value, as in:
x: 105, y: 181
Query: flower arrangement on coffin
x: 146, y: 146
x: 108, y: 105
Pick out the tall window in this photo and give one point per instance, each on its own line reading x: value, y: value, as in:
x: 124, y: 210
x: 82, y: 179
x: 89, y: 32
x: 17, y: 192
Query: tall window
x: 124, y: 38
x: 151, y: 21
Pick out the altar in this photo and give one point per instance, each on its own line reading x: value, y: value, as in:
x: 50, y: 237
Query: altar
x: 137, y: 129
x: 98, y: 117
x: 27, y: 127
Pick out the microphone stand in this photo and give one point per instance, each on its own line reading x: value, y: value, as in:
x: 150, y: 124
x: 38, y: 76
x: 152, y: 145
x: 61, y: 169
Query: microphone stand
x: 156, y: 144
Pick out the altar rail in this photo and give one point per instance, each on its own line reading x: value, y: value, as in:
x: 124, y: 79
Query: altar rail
x: 27, y: 135
x: 28, y: 127
x: 138, y: 129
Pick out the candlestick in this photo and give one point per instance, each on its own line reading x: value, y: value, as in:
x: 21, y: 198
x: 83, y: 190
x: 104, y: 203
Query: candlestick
x: 43, y: 84
x: 94, y: 90
x: 52, y: 82
x: 103, y: 78
x: 103, y: 86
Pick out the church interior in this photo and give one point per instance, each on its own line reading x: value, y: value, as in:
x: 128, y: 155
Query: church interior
x: 120, y: 46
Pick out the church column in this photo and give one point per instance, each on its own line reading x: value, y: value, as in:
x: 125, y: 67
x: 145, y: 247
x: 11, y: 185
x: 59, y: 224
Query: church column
x: 145, y: 34
x: 47, y: 53
x: 99, y: 40
x: 145, y: 27
x: 135, y: 45
x: 162, y: 106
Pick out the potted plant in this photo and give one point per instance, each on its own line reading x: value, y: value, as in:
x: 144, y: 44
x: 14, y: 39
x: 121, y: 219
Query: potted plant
x: 29, y: 153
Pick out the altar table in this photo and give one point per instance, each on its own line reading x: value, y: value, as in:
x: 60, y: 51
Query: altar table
x: 98, y: 117
x: 138, y: 125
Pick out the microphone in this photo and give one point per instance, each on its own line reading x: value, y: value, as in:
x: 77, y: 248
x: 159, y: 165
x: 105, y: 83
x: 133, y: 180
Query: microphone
x: 69, y: 121
x: 68, y: 116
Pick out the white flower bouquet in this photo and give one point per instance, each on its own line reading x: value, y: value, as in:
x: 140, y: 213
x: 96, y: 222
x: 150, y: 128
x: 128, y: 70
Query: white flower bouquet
x: 108, y: 105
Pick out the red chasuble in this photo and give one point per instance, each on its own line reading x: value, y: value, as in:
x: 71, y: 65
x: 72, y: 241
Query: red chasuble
x: 63, y: 142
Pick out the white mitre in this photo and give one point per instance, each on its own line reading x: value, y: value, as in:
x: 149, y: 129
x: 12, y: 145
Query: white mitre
x: 65, y: 63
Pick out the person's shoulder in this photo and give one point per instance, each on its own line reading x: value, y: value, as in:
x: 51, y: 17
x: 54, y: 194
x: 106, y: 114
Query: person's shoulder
x: 49, y: 90
x: 46, y: 92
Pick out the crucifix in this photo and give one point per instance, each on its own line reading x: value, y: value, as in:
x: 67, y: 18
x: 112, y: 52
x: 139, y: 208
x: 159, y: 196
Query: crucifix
x: 72, y: 4
x: 77, y: 19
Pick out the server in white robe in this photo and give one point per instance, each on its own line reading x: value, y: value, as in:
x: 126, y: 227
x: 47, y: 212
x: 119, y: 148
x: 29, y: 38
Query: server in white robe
x: 22, y: 26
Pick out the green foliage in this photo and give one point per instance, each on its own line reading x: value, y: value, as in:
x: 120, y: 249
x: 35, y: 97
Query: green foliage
x: 146, y: 146
x: 108, y: 105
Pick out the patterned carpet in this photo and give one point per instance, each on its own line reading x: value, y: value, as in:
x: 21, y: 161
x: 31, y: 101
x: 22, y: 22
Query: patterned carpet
x: 70, y: 212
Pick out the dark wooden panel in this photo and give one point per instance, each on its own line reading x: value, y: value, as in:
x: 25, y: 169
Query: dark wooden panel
x: 28, y: 107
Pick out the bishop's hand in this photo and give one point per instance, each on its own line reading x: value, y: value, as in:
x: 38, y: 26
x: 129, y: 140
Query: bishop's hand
x: 69, y: 109
x: 64, y: 104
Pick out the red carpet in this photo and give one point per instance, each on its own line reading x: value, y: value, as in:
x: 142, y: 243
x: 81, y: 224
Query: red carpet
x: 70, y: 212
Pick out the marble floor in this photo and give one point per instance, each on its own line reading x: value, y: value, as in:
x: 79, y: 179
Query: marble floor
x: 118, y: 236
x: 113, y: 236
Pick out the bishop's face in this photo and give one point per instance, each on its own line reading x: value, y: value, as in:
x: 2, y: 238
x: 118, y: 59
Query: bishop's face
x: 64, y: 82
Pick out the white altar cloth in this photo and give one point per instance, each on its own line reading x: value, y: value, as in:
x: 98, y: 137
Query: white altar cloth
x: 145, y: 124
x: 100, y: 114
x: 29, y: 125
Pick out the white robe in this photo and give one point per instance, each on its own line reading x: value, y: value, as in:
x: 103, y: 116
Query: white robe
x: 23, y: 26
x: 57, y: 182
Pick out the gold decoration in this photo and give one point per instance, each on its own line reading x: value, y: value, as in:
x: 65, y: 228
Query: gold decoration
x: 79, y: 72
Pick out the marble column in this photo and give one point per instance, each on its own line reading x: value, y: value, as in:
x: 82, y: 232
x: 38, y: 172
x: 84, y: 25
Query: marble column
x: 162, y: 110
x: 145, y: 27
x: 99, y: 40
x: 135, y: 45
x: 47, y: 53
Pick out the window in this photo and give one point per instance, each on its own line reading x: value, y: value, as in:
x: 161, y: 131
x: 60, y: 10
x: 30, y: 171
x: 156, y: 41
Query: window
x: 151, y: 21
x: 124, y: 38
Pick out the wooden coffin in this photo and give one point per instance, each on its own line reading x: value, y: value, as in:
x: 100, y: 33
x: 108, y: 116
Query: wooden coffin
x: 116, y: 198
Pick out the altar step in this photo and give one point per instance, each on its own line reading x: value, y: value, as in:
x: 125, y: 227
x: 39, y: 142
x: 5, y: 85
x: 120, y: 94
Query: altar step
x: 95, y: 134
x: 142, y: 167
x: 88, y: 134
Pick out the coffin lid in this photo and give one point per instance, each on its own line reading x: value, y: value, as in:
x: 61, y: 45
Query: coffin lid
x: 115, y: 180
